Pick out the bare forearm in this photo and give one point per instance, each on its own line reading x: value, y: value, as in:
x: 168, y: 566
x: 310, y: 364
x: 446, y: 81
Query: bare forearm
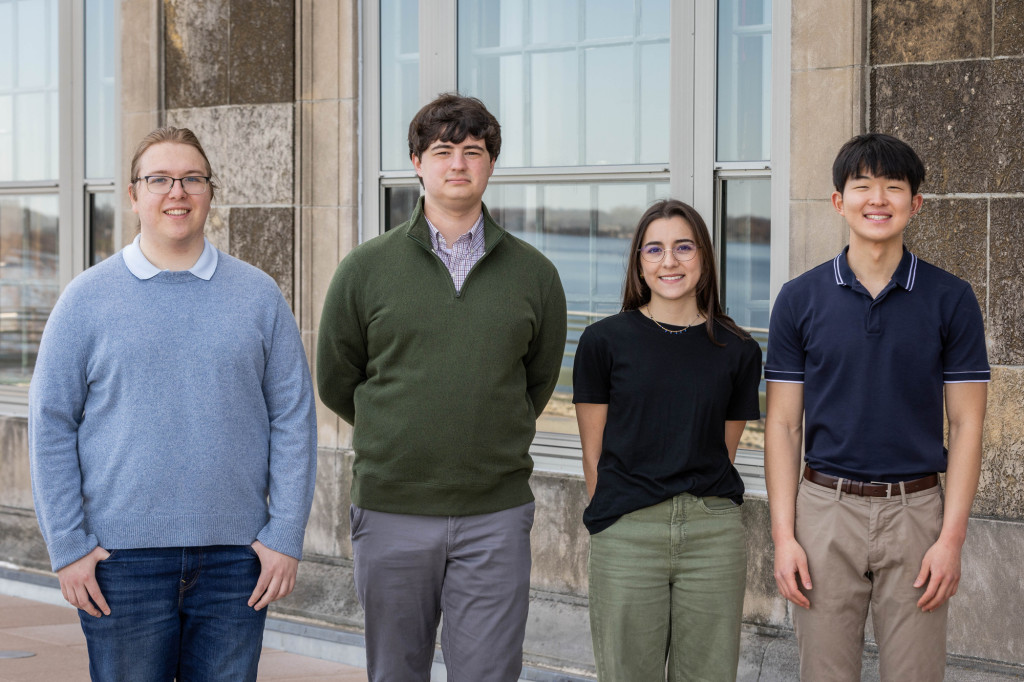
x: 733, y: 433
x: 591, y: 419
x: 965, y: 404
x: 783, y: 438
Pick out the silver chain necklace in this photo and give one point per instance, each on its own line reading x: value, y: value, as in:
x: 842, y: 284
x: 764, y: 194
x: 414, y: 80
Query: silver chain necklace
x: 671, y: 331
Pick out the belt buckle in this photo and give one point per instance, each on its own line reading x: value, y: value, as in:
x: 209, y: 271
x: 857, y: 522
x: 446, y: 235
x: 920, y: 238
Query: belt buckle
x: 888, y: 488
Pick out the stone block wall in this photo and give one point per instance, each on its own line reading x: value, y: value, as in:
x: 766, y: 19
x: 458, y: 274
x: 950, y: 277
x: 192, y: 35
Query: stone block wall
x: 229, y: 75
x: 948, y: 77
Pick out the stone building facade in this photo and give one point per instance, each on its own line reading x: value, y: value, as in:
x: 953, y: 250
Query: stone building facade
x: 273, y: 88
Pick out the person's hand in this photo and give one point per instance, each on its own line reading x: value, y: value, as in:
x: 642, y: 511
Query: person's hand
x: 790, y: 562
x: 78, y: 583
x: 277, y: 576
x: 940, y: 569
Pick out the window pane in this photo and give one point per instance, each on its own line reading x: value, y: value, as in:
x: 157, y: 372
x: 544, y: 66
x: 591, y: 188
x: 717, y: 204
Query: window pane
x: 746, y: 227
x: 28, y: 91
x: 554, y: 111
x: 744, y: 80
x: 28, y: 280
x: 6, y: 45
x: 585, y: 229
x: 746, y: 247
x: 101, y: 226
x: 655, y: 16
x: 99, y: 89
x: 566, y: 99
x: 399, y: 79
x: 398, y: 204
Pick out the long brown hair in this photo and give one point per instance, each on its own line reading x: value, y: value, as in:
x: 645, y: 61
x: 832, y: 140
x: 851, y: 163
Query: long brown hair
x: 636, y: 293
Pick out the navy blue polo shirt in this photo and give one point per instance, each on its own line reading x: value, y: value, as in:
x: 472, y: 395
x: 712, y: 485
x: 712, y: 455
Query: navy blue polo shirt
x: 873, y: 369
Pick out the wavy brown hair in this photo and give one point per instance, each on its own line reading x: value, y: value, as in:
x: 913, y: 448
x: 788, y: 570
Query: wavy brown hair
x: 636, y: 293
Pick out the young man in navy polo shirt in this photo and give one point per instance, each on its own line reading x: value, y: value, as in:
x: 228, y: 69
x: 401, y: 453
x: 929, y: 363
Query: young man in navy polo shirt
x: 863, y: 349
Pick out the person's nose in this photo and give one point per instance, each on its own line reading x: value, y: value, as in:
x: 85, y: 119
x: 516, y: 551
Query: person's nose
x: 177, y: 188
x: 458, y: 160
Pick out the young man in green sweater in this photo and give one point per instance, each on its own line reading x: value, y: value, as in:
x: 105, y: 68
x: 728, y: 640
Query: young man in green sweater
x: 440, y: 342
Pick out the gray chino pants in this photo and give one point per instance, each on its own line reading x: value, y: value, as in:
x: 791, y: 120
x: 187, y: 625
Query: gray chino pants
x: 475, y: 570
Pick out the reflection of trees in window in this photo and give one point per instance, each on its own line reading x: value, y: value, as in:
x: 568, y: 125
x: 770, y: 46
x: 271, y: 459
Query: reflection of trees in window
x: 28, y: 281
x: 748, y: 228
x: 101, y: 227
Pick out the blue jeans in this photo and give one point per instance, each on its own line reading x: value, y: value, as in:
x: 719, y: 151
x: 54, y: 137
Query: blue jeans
x: 176, y: 613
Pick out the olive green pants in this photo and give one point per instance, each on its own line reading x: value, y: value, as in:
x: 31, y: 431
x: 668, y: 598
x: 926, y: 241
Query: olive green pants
x: 666, y: 592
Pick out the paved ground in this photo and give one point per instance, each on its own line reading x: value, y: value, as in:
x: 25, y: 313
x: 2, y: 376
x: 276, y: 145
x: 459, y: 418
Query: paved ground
x: 53, y: 634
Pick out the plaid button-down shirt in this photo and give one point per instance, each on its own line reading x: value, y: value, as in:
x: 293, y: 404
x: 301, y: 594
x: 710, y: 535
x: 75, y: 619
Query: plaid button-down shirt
x: 461, y: 256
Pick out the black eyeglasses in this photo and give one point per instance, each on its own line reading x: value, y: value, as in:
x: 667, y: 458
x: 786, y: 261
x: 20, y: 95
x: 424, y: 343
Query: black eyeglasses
x: 655, y: 253
x: 162, y: 184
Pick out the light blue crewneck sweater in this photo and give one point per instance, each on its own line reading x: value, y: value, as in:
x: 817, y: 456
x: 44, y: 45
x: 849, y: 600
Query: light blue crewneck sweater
x: 165, y: 412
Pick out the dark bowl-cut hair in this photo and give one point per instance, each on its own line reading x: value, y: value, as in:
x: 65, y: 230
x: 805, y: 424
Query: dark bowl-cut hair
x: 452, y: 118
x: 636, y: 293
x: 884, y: 156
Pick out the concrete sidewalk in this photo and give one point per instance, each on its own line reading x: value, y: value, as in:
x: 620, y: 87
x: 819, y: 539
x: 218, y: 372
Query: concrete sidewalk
x: 54, y: 638
x: 52, y: 634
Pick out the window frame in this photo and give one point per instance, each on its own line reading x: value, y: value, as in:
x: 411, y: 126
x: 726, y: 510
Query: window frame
x: 692, y: 170
x: 71, y: 186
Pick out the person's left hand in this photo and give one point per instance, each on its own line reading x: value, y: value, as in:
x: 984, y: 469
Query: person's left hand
x: 940, y: 568
x: 277, y: 576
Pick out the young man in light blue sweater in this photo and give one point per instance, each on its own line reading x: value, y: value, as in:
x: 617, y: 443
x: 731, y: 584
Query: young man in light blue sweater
x: 172, y: 438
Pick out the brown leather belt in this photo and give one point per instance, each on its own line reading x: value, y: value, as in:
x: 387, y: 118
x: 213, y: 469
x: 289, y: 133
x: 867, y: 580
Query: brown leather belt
x: 871, y: 489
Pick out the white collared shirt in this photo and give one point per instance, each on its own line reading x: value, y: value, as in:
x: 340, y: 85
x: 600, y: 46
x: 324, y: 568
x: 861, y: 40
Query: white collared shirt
x: 140, y: 266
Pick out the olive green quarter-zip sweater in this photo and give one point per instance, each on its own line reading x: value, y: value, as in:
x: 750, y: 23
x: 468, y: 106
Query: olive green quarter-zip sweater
x: 442, y: 389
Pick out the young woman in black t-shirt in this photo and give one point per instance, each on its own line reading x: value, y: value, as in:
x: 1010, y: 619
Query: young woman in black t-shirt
x: 663, y: 391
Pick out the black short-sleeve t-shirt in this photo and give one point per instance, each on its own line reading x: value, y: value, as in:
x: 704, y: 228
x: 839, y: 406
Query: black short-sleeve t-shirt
x: 668, y: 397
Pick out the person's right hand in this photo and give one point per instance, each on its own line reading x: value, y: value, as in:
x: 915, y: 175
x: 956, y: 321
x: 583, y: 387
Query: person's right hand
x: 78, y: 583
x: 791, y: 562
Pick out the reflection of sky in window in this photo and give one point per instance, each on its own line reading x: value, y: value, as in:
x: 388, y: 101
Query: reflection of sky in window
x: 99, y: 89
x: 555, y: 109
x: 655, y: 17
x: 554, y: 21
x: 28, y: 90
x: 744, y: 94
x: 617, y: 113
x: 6, y: 47
x: 610, y: 123
x: 399, y: 79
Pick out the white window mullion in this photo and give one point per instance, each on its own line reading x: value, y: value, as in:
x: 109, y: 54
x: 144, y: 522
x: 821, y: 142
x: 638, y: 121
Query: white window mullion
x: 70, y: 199
x: 76, y: 181
x: 684, y: 100
x: 780, y: 74
x: 438, y: 34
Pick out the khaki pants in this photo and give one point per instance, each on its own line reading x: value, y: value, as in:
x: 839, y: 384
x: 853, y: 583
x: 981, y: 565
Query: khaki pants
x: 667, y: 582
x: 865, y: 551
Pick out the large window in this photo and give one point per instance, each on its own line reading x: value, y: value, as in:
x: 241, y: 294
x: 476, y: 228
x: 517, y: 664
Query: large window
x: 57, y: 209
x: 605, y: 107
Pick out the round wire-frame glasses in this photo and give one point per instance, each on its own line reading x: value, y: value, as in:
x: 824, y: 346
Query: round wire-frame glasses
x: 655, y: 253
